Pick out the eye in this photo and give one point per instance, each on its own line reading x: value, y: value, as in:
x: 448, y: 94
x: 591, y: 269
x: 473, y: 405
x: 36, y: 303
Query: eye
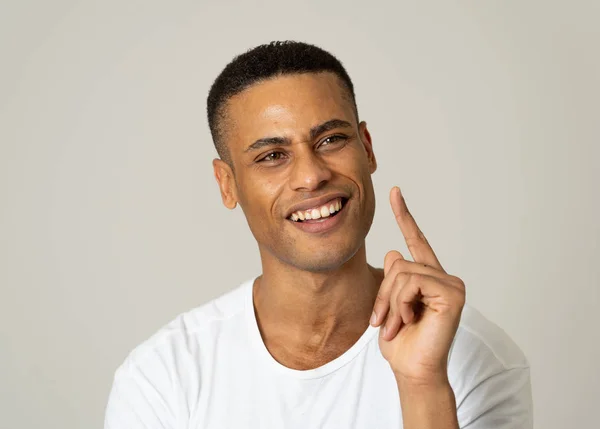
x: 332, y: 140
x: 272, y: 156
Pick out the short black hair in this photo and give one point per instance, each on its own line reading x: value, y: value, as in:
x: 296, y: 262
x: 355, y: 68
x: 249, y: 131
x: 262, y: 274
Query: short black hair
x: 262, y: 63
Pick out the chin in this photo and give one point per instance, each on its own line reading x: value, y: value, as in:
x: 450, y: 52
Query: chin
x: 325, y: 261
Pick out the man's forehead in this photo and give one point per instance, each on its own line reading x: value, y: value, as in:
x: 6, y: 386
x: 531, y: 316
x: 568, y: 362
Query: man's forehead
x: 290, y: 102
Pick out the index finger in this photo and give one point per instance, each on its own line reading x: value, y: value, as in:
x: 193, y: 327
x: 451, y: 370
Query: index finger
x: 416, y: 242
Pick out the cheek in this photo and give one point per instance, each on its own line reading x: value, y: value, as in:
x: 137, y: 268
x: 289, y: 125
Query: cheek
x: 355, y: 166
x: 355, y: 158
x: 259, y: 197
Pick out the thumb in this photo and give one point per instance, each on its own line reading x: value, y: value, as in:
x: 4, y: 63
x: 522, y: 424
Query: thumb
x: 389, y: 259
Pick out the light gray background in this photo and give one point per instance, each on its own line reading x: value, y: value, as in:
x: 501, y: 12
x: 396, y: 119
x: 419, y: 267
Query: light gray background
x: 484, y: 112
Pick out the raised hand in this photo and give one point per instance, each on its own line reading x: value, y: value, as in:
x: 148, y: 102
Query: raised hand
x: 418, y: 306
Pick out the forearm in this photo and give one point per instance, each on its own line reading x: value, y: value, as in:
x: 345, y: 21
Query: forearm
x: 428, y: 406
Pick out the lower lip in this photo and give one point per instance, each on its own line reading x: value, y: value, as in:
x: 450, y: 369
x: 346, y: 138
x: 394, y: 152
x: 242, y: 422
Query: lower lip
x: 324, y: 224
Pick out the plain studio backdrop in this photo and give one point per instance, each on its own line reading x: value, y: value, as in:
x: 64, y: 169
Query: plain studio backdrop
x: 485, y: 113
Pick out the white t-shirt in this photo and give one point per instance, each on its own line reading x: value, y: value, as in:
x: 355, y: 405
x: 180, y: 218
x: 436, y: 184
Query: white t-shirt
x: 209, y: 368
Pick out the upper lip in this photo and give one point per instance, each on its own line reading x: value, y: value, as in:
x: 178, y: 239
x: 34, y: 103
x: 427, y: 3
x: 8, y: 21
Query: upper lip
x: 314, y: 202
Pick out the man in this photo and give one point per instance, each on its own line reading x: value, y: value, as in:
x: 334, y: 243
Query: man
x: 321, y: 339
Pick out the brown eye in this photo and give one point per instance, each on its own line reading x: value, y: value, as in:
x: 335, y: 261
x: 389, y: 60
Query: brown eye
x: 331, y: 140
x: 273, y: 156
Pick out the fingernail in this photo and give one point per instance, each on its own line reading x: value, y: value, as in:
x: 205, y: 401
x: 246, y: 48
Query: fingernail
x: 373, y: 318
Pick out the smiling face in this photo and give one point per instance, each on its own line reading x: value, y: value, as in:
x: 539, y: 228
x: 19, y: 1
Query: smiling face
x: 298, y: 152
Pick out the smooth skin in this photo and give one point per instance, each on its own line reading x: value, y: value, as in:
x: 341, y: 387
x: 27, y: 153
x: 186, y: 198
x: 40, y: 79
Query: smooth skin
x: 293, y: 139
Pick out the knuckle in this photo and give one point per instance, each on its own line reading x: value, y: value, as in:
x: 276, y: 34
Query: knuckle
x: 459, y: 282
x: 412, y: 243
x: 401, y: 278
x: 459, y: 297
x: 391, y: 312
x: 397, y: 298
x: 405, y: 291
x: 380, y: 298
x: 412, y: 240
x: 455, y: 278
x: 397, y: 264
x: 415, y: 277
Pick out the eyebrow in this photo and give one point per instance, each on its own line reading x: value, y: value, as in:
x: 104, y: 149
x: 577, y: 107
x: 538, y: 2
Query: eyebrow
x: 314, y: 133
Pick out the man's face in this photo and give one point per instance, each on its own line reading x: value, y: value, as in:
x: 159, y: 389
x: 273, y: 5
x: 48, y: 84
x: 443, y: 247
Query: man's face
x: 297, y: 152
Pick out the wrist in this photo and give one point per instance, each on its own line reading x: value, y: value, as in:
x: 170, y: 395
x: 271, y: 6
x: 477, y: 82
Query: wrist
x: 428, y: 403
x: 433, y: 382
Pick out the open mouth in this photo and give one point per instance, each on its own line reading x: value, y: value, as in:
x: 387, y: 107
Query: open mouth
x: 319, y: 214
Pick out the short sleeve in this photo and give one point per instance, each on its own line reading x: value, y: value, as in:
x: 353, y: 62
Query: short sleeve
x: 501, y: 401
x: 137, y: 401
x: 490, y: 376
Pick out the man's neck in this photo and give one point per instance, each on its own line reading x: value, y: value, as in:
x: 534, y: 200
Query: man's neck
x: 307, y: 319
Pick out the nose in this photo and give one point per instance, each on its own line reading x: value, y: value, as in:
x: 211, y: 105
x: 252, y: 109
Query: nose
x: 309, y: 172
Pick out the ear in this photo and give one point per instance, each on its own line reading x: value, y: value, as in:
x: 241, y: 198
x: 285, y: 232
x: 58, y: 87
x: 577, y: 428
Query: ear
x: 226, y: 181
x: 365, y: 137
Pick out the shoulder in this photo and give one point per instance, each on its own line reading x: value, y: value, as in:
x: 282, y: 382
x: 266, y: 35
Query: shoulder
x: 477, y: 335
x: 180, y: 339
x: 160, y: 378
x: 481, y: 342
x: 489, y: 374
x: 482, y: 353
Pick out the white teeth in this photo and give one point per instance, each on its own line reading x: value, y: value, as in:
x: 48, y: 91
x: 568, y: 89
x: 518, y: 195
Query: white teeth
x: 317, y: 213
